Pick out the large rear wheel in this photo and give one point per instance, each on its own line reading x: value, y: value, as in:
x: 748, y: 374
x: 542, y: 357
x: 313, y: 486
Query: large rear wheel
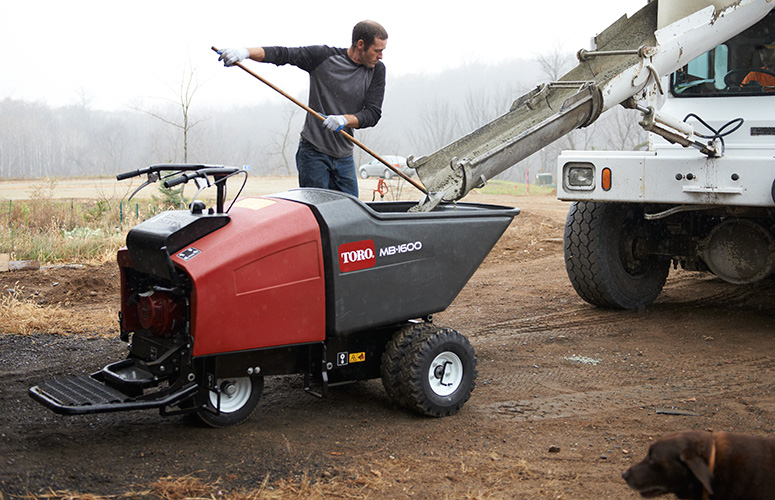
x: 233, y: 403
x: 602, y: 257
x: 395, y: 352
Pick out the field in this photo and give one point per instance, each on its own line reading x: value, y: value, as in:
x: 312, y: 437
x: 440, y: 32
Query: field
x: 568, y: 395
x: 110, y: 188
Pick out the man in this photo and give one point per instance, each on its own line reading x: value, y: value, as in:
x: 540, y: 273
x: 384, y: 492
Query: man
x: 767, y: 57
x: 347, y: 86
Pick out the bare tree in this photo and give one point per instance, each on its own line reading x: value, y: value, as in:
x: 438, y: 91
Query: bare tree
x: 283, y: 141
x: 112, y: 142
x: 439, y: 123
x: 620, y: 130
x: 479, y: 108
x: 555, y: 63
x: 185, y: 96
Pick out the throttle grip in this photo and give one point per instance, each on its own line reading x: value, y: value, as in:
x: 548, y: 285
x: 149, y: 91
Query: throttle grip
x: 181, y: 179
x: 127, y: 175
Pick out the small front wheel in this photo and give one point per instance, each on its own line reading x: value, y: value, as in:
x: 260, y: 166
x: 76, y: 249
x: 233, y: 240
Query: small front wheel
x: 438, y: 373
x: 233, y: 403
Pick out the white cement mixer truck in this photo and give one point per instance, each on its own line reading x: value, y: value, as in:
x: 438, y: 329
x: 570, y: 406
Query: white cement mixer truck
x: 694, y: 73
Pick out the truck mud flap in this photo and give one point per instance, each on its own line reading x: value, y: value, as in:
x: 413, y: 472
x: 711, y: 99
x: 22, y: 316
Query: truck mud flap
x: 83, y: 394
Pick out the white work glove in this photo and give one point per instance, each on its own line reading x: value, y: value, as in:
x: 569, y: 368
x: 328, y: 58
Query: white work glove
x: 335, y: 123
x: 232, y: 56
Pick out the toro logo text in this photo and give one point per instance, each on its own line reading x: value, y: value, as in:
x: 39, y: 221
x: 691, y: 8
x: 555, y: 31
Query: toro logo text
x: 356, y: 255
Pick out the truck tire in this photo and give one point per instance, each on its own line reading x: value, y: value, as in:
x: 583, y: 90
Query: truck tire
x: 438, y: 373
x: 395, y: 351
x: 599, y: 259
x: 238, y: 398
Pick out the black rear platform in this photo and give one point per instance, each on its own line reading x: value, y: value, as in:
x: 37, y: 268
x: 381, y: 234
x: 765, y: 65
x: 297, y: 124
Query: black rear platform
x: 84, y: 394
x: 78, y: 394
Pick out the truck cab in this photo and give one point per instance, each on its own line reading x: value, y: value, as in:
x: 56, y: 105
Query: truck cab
x: 707, y: 207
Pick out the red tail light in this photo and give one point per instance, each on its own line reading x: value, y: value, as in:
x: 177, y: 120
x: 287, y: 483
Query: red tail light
x: 159, y: 313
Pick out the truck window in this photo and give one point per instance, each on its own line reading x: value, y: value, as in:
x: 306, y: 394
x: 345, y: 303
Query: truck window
x: 743, y: 65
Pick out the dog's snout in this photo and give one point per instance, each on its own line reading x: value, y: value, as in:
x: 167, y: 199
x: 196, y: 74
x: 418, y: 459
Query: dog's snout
x: 626, y: 474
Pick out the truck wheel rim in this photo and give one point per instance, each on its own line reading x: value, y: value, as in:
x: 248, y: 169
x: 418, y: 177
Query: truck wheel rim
x: 445, y: 373
x: 235, y: 393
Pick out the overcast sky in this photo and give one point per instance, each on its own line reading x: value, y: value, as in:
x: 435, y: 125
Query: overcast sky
x: 114, y: 53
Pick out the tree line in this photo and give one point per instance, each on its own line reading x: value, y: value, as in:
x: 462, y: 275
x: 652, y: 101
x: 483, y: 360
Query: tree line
x: 421, y: 114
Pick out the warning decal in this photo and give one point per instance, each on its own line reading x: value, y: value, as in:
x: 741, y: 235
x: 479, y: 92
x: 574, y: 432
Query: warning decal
x: 357, y: 357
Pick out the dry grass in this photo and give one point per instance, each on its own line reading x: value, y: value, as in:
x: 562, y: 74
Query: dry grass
x: 53, y: 230
x: 180, y: 488
x: 469, y: 476
x: 191, y: 488
x: 24, y: 317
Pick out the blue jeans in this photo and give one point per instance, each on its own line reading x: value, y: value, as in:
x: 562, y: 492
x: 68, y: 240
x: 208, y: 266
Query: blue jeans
x: 319, y: 170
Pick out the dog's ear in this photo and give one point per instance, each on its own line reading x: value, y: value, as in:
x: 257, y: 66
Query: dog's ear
x: 698, y: 466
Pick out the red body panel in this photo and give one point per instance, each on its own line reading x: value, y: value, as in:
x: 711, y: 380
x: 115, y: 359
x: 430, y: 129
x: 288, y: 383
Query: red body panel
x: 257, y: 282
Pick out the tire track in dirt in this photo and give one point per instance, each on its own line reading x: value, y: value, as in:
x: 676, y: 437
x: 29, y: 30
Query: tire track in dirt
x: 543, y: 324
x: 567, y: 386
x: 585, y: 361
x: 701, y: 290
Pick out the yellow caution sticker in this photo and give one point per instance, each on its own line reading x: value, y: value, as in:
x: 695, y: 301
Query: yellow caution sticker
x: 357, y: 357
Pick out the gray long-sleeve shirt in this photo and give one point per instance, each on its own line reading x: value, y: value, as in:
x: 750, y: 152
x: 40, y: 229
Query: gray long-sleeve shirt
x: 338, y: 86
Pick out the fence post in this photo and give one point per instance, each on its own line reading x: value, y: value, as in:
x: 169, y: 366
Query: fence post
x: 10, y: 221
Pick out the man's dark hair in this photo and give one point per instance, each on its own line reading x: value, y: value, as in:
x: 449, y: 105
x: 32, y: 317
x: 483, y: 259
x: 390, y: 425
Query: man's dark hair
x: 368, y: 31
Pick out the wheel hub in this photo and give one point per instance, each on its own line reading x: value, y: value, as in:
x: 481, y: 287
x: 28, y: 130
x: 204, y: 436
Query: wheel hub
x: 438, y: 372
x: 445, y: 373
x: 229, y: 389
x: 233, y: 394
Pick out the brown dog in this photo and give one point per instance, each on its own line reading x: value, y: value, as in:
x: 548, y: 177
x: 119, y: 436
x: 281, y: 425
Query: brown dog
x: 699, y: 464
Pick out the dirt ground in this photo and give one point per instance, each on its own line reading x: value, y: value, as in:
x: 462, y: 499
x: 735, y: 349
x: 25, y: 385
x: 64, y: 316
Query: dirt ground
x: 568, y: 395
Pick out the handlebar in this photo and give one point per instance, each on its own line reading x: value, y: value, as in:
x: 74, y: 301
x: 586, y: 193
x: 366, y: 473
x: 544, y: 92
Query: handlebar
x: 200, y: 172
x: 127, y: 175
x: 169, y: 167
x: 182, y: 173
